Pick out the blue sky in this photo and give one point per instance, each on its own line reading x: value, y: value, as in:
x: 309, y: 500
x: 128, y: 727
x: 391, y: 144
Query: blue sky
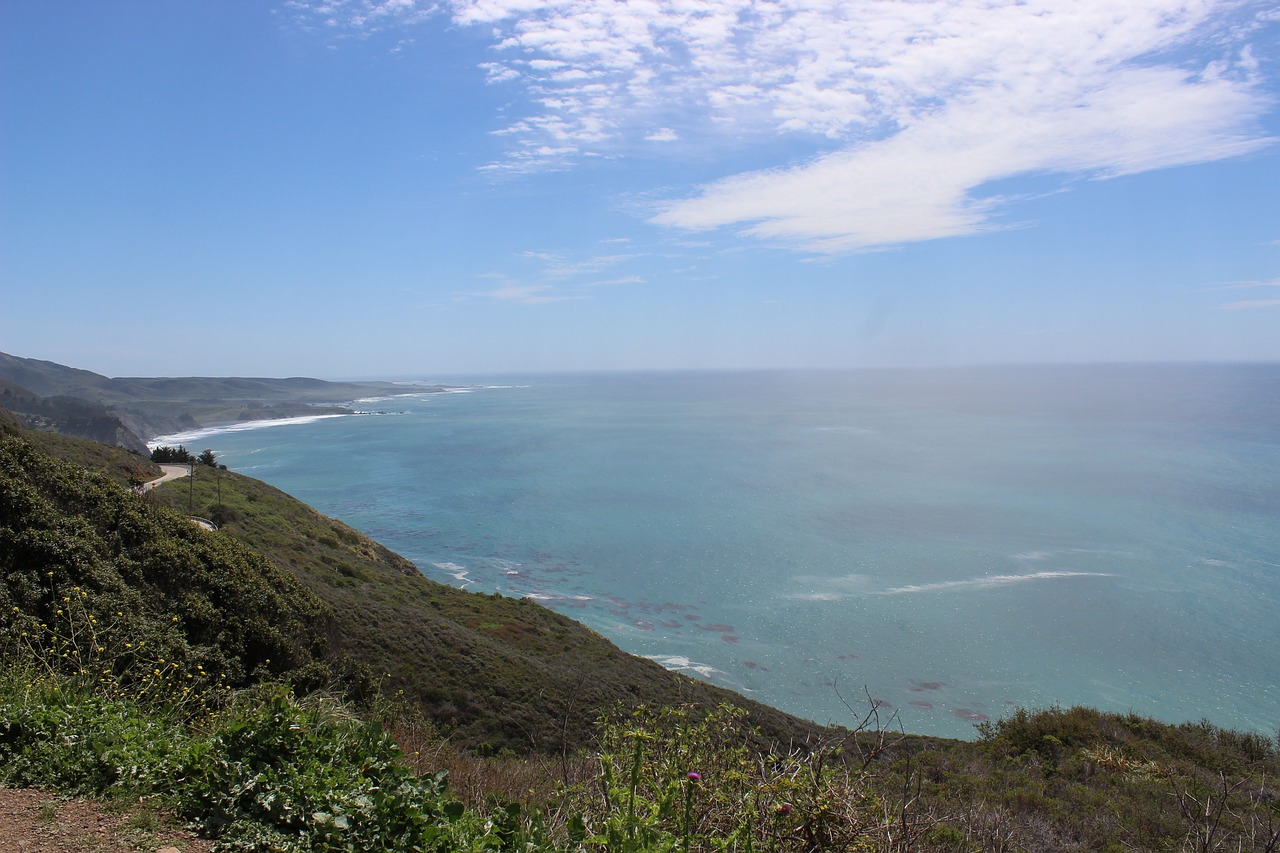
x: 345, y: 188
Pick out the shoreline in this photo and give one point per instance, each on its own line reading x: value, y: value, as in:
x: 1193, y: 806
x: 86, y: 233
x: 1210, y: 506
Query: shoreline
x: 177, y: 438
x: 224, y: 427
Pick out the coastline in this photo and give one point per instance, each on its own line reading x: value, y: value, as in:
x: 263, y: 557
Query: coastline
x: 239, y: 426
x: 224, y: 427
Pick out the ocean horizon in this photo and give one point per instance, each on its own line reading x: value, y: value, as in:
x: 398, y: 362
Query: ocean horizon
x: 949, y: 544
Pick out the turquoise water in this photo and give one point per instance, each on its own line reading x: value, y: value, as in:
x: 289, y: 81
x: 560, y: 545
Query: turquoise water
x: 951, y: 543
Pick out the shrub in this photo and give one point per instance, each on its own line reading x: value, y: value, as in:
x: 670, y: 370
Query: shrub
x: 288, y: 774
x: 682, y: 778
x: 58, y: 736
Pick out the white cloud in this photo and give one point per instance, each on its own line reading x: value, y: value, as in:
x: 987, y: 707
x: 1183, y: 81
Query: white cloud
x: 924, y: 102
x: 919, y: 183
x: 917, y: 104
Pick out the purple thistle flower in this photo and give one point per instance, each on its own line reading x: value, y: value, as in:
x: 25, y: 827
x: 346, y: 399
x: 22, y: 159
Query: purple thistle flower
x: 784, y: 809
x: 694, y: 776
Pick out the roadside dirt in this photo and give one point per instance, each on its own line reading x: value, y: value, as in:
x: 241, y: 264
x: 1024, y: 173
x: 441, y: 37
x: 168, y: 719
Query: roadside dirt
x: 34, y: 821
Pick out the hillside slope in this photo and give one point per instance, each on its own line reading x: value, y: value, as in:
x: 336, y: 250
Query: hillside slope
x: 497, y: 672
x: 154, y: 587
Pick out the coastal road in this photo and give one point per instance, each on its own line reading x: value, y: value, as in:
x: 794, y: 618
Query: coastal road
x: 171, y: 472
x: 174, y: 472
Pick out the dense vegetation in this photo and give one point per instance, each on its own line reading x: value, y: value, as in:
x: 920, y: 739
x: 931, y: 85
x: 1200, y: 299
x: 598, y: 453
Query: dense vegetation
x: 241, y: 677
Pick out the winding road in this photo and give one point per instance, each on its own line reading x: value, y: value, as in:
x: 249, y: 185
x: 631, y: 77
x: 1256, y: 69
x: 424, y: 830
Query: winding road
x: 174, y: 472
x: 171, y: 472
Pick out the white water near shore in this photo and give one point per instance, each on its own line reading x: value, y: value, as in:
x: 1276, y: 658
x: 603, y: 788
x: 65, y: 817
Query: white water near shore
x: 954, y: 543
x: 190, y: 436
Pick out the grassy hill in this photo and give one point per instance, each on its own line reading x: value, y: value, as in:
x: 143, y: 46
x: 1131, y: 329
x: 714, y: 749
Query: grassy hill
x: 501, y: 672
x: 146, y: 573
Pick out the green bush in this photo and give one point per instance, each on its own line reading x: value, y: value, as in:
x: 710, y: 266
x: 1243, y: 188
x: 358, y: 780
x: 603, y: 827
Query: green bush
x: 305, y: 775
x: 54, y: 735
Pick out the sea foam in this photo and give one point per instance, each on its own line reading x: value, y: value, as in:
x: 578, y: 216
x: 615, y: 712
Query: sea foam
x: 242, y: 426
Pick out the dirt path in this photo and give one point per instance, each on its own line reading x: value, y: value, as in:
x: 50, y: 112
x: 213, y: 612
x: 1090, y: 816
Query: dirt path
x: 34, y: 821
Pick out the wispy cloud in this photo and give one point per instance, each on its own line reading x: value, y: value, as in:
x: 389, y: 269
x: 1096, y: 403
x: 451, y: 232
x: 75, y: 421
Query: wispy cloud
x: 1250, y: 285
x: 921, y: 183
x: 556, y: 277
x: 666, y: 134
x: 1272, y: 285
x: 556, y: 265
x: 509, y: 290
x: 916, y: 106
x: 361, y: 17
x: 1248, y: 304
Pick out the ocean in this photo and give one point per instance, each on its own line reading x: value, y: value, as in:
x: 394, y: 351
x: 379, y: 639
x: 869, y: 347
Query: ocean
x: 950, y: 544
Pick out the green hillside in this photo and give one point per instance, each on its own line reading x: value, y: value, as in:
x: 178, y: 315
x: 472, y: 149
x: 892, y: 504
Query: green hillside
x: 146, y: 572
x: 498, y: 673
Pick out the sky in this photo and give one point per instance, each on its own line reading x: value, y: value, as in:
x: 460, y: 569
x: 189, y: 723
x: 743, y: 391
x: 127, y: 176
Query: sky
x: 387, y: 188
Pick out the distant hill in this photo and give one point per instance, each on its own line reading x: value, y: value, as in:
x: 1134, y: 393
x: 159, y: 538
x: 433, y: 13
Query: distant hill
x: 128, y: 411
x: 47, y: 379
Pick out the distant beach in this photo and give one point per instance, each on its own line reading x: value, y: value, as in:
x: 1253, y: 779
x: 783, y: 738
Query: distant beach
x: 240, y: 426
x: 224, y: 428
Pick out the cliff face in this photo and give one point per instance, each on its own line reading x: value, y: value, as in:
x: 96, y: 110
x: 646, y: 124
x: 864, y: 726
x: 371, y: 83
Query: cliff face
x: 70, y: 416
x: 105, y: 429
x: 139, y: 426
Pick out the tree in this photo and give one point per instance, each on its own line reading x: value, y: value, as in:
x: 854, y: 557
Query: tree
x: 177, y: 454
x: 207, y: 458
